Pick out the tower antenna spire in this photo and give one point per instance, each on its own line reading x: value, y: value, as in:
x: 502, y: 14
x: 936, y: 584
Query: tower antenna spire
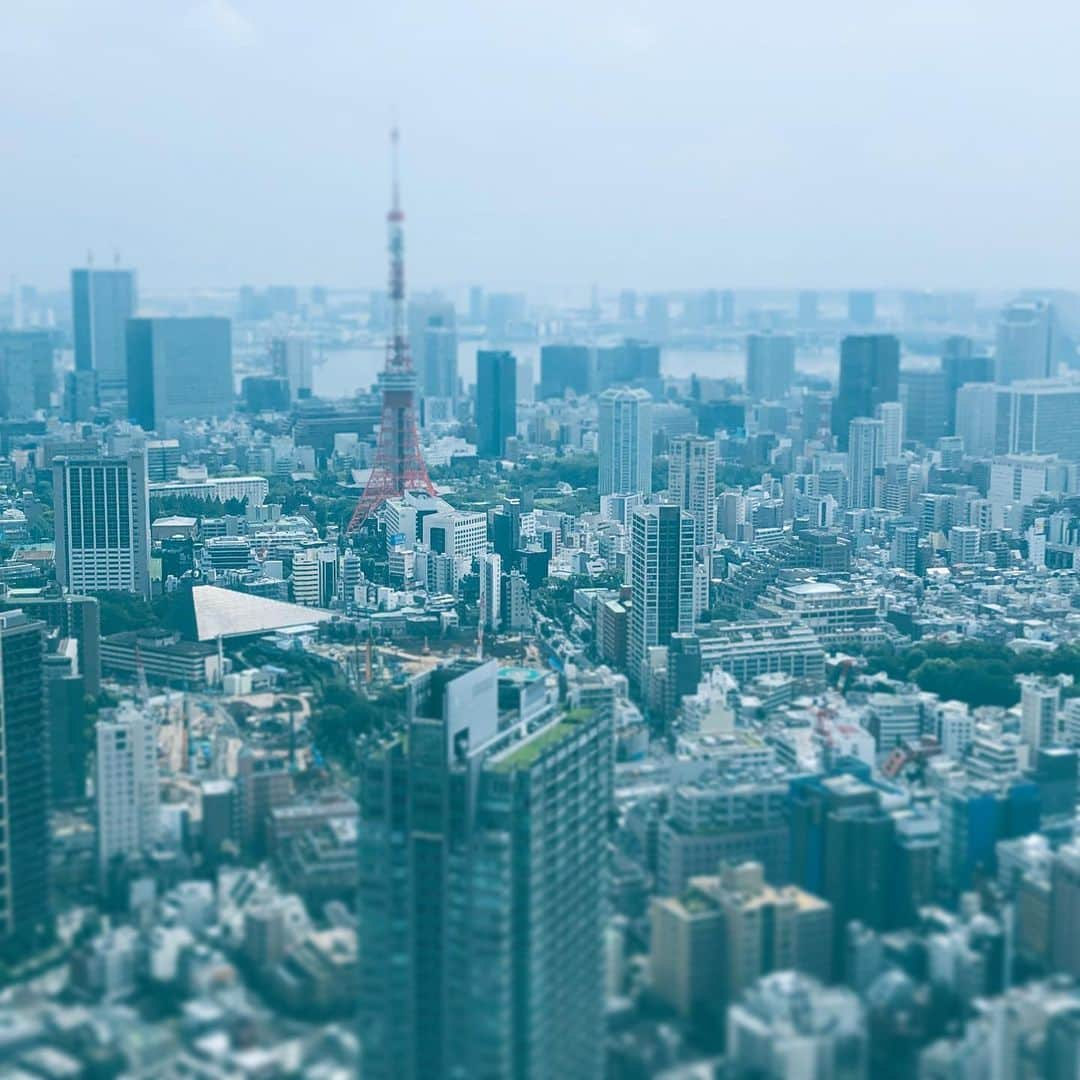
x: 399, y: 466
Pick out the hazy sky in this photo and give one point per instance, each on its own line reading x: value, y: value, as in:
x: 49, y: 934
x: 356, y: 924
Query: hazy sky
x: 213, y: 142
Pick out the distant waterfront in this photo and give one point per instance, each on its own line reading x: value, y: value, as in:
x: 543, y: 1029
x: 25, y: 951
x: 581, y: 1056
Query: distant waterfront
x: 344, y: 371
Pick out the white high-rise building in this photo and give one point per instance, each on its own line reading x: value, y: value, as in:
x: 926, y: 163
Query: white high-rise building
x: 692, y: 483
x: 625, y: 441
x: 891, y: 415
x: 459, y: 533
x: 102, y: 522
x: 865, y: 456
x: 126, y: 788
x: 1040, y: 703
x: 1016, y: 481
x: 963, y: 544
x: 305, y: 577
x: 661, y: 579
x: 490, y: 591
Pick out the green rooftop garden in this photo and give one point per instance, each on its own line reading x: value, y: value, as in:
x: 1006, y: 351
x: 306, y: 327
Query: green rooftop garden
x: 529, y: 750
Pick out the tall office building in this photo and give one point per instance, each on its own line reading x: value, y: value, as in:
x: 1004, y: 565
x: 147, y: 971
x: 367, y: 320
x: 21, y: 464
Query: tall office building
x: 1024, y: 342
x: 891, y: 414
x: 71, y: 616
x: 80, y: 397
x: 291, y: 359
x: 179, y: 368
x: 421, y: 312
x: 625, y: 442
x: 102, y: 301
x: 869, y: 375
x: 24, y: 769
x: 564, y: 367
x: 961, y: 366
x: 27, y: 371
x: 101, y: 513
x: 866, y: 440
x: 661, y: 580
x: 770, y: 366
x: 861, y: 307
x: 976, y: 417
x: 126, y: 788
x: 630, y: 362
x: 482, y: 887
x: 924, y: 393
x: 1037, y: 417
x: 438, y: 362
x: 496, y: 401
x: 692, y: 483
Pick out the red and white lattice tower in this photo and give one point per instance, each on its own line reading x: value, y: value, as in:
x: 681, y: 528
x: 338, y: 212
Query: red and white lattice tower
x: 399, y: 465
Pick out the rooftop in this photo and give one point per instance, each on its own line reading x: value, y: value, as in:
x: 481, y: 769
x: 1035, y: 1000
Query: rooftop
x: 525, y: 753
x: 225, y: 613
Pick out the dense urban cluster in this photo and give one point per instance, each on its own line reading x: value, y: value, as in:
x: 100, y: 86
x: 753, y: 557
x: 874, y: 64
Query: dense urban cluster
x: 714, y: 711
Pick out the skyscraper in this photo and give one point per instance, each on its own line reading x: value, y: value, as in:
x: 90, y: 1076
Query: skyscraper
x: 962, y: 365
x: 625, y: 442
x: 865, y: 455
x: 564, y: 367
x: 1024, y: 342
x: 891, y: 414
x: 102, y: 520
x: 439, y: 359
x: 27, y: 371
x: 661, y: 579
x: 482, y: 887
x: 869, y: 375
x: 692, y: 483
x: 1041, y: 416
x: 102, y: 301
x: 924, y: 393
x: 24, y: 767
x: 291, y: 359
x: 424, y: 312
x: 126, y: 787
x: 770, y: 366
x: 178, y: 368
x: 496, y: 401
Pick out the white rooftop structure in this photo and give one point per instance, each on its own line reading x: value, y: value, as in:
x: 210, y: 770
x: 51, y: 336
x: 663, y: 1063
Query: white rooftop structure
x: 225, y: 613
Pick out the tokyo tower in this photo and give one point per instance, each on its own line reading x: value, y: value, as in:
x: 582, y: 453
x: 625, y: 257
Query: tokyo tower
x: 399, y: 465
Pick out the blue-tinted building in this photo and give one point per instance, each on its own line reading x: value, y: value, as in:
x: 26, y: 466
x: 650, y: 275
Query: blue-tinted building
x: 102, y: 301
x: 496, y: 401
x: 179, y: 368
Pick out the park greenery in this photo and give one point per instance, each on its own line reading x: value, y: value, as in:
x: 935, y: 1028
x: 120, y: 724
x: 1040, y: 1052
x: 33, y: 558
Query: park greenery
x: 975, y: 672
